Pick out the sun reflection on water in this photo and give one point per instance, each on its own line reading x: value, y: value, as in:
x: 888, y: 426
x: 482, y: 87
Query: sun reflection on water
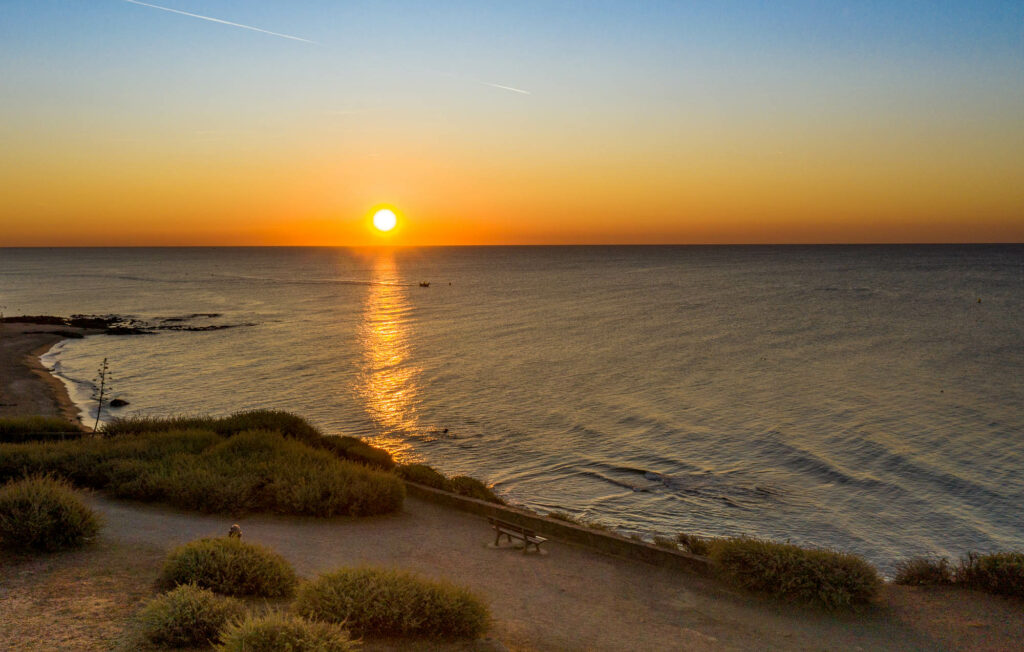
x: 388, y: 383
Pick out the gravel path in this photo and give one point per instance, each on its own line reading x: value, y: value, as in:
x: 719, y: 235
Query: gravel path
x: 567, y: 599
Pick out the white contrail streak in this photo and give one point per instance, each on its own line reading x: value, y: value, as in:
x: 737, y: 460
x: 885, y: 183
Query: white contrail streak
x: 506, y: 88
x: 222, y: 22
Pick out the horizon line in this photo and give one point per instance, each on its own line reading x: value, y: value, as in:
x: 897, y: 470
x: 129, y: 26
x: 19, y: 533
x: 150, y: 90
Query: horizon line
x: 578, y: 244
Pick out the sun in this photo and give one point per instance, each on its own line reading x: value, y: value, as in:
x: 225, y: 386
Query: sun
x: 384, y: 220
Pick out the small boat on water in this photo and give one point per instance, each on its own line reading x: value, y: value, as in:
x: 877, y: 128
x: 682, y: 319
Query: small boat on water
x: 424, y: 284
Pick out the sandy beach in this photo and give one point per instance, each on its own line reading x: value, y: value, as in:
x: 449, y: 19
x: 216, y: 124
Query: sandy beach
x: 26, y: 387
x: 570, y: 598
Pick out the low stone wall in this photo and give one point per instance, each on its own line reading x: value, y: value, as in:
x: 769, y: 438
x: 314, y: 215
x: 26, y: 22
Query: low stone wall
x: 567, y: 532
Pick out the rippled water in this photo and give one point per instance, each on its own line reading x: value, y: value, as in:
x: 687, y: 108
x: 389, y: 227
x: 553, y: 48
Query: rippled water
x: 866, y: 398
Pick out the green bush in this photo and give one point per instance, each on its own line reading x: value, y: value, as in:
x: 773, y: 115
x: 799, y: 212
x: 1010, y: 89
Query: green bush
x: 285, y: 423
x: 825, y: 578
x: 473, y: 488
x: 694, y: 544
x: 392, y: 603
x: 187, y: 616
x: 275, y: 631
x: 1001, y: 573
x: 21, y: 429
x: 357, y: 450
x: 196, y: 469
x: 44, y: 513
x: 922, y: 571
x: 229, y: 567
x: 423, y: 474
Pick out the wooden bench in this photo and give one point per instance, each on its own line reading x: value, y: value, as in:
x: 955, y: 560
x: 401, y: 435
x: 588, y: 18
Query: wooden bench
x: 513, y: 531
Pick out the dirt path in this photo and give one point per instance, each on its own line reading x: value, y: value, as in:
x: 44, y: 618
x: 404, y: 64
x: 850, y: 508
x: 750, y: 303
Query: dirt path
x: 568, y: 599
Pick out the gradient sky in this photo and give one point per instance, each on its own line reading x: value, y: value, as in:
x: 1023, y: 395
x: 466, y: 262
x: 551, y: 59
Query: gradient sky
x: 510, y: 122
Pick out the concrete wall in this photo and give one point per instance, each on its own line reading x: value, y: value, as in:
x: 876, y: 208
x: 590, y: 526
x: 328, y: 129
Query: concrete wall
x: 567, y: 532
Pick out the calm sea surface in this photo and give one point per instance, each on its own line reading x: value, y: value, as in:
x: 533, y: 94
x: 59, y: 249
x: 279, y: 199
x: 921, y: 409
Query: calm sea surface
x: 865, y: 398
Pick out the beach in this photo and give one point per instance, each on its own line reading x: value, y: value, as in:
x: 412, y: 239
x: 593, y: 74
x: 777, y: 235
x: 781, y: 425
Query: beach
x: 26, y: 387
x: 570, y: 598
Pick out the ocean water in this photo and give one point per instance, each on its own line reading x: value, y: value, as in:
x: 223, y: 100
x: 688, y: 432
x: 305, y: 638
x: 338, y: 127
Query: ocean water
x: 864, y: 398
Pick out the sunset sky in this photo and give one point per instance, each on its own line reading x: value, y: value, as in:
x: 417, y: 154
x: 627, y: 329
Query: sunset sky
x: 123, y: 123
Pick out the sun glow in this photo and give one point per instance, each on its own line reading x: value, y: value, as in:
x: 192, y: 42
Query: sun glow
x: 384, y: 220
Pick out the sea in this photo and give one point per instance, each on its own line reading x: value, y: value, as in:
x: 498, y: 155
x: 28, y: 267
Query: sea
x: 862, y: 398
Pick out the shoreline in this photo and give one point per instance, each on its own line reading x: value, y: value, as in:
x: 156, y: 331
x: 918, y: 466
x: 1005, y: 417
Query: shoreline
x: 27, y: 388
x: 59, y: 390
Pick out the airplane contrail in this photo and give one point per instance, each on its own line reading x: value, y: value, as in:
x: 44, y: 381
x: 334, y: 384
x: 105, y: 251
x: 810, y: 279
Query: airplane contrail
x: 505, y: 88
x: 222, y: 22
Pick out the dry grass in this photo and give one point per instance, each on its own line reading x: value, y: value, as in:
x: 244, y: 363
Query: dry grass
x: 76, y: 600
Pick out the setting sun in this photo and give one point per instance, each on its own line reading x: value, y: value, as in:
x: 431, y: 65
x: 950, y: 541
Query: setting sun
x: 384, y: 219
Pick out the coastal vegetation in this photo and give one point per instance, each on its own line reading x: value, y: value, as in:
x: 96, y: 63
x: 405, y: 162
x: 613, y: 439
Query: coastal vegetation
x: 460, y: 484
x: 356, y: 450
x: 1001, y: 573
x: 42, y: 513
x: 372, y: 601
x: 253, y: 471
x: 277, y: 631
x: 824, y: 578
x: 279, y: 421
x: 230, y: 567
x: 37, y: 428
x: 924, y: 571
x: 187, y: 616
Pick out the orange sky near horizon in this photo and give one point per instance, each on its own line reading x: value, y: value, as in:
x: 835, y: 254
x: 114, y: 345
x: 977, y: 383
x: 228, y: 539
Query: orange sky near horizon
x: 298, y: 189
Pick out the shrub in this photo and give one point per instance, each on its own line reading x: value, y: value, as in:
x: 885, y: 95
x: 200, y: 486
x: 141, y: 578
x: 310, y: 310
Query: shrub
x: 275, y: 631
x: 357, y: 450
x: 187, y: 616
x: 1001, y: 572
x: 392, y: 603
x: 922, y: 571
x: 230, y: 567
x: 423, y: 474
x: 825, y: 578
x: 694, y: 544
x: 44, y: 513
x: 473, y: 488
x: 196, y: 469
x: 279, y: 421
x: 38, y: 429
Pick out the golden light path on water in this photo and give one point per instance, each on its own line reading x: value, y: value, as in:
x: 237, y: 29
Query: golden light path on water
x: 388, y: 384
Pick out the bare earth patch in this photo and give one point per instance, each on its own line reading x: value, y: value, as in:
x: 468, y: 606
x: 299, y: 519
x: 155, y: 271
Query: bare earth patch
x: 75, y: 600
x: 960, y: 619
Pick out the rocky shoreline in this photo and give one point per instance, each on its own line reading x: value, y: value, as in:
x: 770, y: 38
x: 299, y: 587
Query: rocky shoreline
x: 73, y: 326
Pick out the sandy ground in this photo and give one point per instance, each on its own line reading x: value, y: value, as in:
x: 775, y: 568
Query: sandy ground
x: 569, y: 598
x: 26, y: 388
x: 572, y: 598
